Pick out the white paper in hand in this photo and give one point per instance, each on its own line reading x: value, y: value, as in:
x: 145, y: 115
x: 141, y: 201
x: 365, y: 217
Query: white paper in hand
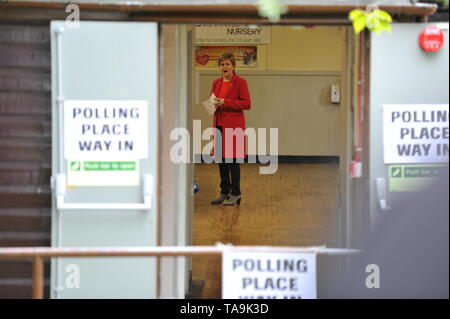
x: 209, y: 104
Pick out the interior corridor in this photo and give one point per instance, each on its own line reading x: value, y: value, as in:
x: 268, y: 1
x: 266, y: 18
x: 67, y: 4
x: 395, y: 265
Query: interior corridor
x: 296, y: 206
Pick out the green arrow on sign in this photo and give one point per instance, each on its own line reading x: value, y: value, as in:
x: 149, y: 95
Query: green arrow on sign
x: 75, y: 166
x: 396, y: 172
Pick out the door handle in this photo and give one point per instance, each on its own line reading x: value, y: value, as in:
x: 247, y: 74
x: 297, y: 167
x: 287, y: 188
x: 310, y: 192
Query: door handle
x: 147, y: 191
x: 381, y: 194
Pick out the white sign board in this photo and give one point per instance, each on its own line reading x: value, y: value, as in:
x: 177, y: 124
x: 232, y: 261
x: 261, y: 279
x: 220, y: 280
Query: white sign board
x: 415, y: 133
x: 231, y: 34
x: 254, y: 275
x: 105, y: 130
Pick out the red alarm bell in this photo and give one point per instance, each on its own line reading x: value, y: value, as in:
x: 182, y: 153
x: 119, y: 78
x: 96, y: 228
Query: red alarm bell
x: 431, y: 39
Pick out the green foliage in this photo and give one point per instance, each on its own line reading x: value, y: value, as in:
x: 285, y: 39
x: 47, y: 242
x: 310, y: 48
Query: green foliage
x: 375, y: 20
x: 271, y: 9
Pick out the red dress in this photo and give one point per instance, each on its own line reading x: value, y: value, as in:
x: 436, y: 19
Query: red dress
x: 231, y: 114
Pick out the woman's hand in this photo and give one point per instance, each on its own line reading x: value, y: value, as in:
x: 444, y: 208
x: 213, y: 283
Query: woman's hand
x: 219, y: 102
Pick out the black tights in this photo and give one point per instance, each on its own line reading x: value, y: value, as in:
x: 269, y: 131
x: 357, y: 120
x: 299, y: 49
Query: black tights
x: 227, y: 170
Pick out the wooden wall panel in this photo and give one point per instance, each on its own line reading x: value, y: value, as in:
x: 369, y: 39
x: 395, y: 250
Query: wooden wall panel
x: 24, y: 34
x: 25, y: 126
x: 25, y: 150
x: 26, y: 103
x: 12, y: 79
x: 24, y: 56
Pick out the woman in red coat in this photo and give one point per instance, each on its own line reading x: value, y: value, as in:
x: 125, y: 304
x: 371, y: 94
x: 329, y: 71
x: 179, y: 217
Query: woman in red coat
x: 232, y: 98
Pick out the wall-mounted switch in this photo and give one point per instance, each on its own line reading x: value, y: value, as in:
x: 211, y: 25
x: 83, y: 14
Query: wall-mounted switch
x: 335, y: 93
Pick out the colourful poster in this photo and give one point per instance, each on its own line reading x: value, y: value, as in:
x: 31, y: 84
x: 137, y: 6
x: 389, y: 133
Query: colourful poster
x: 207, y: 56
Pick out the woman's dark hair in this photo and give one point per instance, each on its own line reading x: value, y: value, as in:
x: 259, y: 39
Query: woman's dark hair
x: 229, y: 56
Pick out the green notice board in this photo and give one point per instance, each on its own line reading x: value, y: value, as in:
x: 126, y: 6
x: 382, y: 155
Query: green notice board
x: 413, y: 178
x: 102, y: 173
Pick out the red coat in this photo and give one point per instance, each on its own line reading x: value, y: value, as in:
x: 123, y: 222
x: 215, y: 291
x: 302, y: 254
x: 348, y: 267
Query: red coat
x: 236, y: 101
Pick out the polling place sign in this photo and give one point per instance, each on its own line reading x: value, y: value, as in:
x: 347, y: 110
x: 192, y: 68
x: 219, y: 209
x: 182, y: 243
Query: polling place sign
x: 268, y: 275
x: 415, y: 133
x: 105, y: 130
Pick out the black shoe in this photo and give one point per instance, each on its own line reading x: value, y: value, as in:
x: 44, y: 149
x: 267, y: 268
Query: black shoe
x: 221, y: 199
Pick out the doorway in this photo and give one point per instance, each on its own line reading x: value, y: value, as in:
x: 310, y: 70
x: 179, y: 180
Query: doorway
x: 300, y: 204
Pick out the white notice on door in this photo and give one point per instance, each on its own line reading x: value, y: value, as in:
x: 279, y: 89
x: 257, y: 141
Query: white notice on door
x: 105, y: 130
x: 254, y: 275
x: 415, y: 133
